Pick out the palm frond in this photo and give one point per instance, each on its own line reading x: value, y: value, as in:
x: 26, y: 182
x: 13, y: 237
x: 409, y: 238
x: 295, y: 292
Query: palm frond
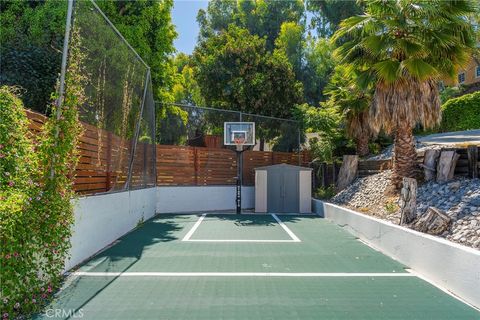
x: 419, y: 69
x: 387, y: 70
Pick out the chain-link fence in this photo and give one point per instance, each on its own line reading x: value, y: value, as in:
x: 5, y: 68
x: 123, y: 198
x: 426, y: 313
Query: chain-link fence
x: 124, y: 147
x: 191, y: 149
x: 118, y: 145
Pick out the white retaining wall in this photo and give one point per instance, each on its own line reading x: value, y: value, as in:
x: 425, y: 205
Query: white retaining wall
x: 453, y: 267
x: 201, y: 198
x: 101, y: 219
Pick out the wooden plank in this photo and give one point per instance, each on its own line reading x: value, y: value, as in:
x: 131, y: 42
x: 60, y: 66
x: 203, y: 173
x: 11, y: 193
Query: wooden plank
x: 472, y: 152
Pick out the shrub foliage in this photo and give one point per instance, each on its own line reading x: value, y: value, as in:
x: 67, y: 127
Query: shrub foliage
x: 462, y: 113
x: 36, y: 211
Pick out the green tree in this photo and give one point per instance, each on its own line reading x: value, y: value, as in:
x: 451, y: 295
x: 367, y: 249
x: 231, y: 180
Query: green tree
x: 235, y: 71
x: 31, y: 47
x: 290, y: 41
x: 327, y: 14
x: 353, y: 101
x: 263, y: 18
x: 186, y: 89
x: 325, y: 122
x: 32, y: 42
x: 218, y: 16
x: 282, y: 24
x: 147, y: 26
x: 404, y: 47
x: 317, y: 67
x: 310, y: 58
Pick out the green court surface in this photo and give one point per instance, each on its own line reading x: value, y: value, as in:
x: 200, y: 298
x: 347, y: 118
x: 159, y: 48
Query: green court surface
x: 248, y: 267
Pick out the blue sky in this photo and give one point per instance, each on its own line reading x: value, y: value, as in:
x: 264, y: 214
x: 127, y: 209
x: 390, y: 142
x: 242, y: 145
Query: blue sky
x: 184, y: 15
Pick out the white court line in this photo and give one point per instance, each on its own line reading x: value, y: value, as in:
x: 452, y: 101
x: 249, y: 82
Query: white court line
x: 290, y: 233
x: 195, y: 226
x: 238, y: 240
x: 280, y: 222
x: 239, y: 274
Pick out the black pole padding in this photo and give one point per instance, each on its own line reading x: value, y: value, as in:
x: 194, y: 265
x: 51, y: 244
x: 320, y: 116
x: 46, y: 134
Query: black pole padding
x: 238, y: 199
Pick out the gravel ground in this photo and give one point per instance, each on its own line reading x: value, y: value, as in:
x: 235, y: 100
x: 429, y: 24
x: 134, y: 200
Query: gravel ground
x: 459, y: 198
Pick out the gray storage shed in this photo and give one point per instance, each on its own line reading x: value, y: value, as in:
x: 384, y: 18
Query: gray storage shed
x: 283, y: 188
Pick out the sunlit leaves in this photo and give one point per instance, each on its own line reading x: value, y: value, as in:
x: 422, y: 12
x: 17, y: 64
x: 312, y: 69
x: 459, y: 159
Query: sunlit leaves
x: 419, y: 68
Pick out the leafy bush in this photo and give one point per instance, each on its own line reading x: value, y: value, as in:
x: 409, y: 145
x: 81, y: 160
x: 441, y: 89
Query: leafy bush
x: 19, y: 195
x: 462, y: 113
x: 325, y: 193
x: 450, y: 93
x: 322, y: 148
x: 35, y: 196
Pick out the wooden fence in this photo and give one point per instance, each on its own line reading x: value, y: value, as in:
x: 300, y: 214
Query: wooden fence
x: 202, y: 166
x: 104, y: 158
x: 103, y: 161
x: 467, y: 166
x: 326, y: 174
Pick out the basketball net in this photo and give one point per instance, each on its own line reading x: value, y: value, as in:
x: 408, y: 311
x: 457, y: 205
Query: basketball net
x: 239, y: 142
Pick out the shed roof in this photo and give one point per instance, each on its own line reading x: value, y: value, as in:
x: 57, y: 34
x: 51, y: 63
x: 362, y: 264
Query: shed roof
x: 284, y: 166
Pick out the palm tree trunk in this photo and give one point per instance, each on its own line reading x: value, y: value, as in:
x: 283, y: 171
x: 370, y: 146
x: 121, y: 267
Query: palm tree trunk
x: 362, y: 146
x: 404, y: 155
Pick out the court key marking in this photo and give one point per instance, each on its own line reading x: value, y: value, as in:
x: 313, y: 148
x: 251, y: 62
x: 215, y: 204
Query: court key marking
x: 290, y: 233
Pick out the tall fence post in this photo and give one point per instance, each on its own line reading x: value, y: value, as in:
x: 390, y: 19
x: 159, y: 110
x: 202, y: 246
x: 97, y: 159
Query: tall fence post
x: 137, y: 132
x: 195, y: 164
x: 299, y: 137
x: 108, y: 175
x: 472, y: 152
x: 323, y: 172
x: 334, y: 172
x: 63, y: 72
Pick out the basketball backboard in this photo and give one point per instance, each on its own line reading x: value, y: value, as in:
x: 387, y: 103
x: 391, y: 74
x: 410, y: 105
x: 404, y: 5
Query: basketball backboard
x: 235, y: 132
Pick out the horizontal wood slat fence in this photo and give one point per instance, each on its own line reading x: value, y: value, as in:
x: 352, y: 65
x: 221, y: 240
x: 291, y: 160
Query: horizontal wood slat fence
x: 326, y: 174
x: 104, y: 161
x: 203, y: 166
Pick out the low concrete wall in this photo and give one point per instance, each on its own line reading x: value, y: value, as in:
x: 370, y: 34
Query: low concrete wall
x: 451, y: 266
x: 202, y: 198
x: 101, y: 219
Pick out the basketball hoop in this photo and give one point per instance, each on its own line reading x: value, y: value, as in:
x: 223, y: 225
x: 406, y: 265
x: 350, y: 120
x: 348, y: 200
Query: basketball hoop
x: 239, y: 142
x: 239, y: 134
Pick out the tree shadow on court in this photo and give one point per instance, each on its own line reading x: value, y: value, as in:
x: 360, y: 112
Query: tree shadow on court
x: 260, y: 220
x: 120, y: 256
x: 250, y: 220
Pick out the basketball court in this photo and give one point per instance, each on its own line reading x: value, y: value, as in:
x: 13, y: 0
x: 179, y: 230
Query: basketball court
x: 249, y: 266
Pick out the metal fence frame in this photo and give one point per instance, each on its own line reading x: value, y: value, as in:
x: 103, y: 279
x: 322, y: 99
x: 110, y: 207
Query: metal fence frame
x: 240, y: 116
x: 61, y: 91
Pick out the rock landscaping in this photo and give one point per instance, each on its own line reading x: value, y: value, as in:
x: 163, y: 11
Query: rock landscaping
x: 421, y: 148
x: 458, y: 198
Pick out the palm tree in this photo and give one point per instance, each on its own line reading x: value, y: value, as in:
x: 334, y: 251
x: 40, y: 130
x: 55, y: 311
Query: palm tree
x: 353, y: 101
x: 404, y: 47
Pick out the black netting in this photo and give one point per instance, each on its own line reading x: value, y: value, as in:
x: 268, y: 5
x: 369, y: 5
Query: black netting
x: 112, y: 116
x: 192, y: 150
x: 143, y: 173
x: 273, y: 134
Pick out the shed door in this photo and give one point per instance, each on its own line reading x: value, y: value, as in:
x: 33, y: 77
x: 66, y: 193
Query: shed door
x: 290, y: 194
x: 274, y: 191
x: 282, y: 191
